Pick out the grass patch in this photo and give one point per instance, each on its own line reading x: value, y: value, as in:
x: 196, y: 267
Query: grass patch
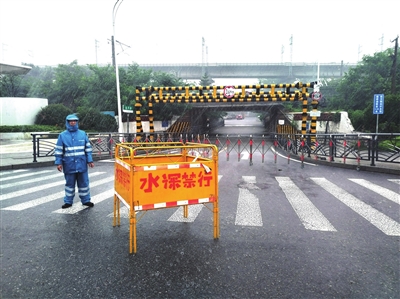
x: 30, y: 128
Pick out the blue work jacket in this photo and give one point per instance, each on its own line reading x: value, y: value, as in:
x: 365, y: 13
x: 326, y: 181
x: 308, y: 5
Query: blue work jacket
x: 73, y: 151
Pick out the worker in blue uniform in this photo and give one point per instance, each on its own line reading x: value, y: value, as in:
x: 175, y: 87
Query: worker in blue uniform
x: 73, y: 154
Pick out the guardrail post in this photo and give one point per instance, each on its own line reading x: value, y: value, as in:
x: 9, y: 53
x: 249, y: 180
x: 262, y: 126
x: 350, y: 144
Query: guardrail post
x: 373, y: 145
x: 344, y: 149
x: 251, y: 150
x: 34, y: 147
x: 227, y: 147
x: 302, y: 151
x: 239, y: 148
x: 316, y: 148
x: 288, y: 149
x: 109, y: 146
x: 358, y: 152
x: 217, y: 142
x: 331, y: 148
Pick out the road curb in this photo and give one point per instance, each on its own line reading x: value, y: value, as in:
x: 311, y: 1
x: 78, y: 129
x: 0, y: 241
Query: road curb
x: 355, y: 166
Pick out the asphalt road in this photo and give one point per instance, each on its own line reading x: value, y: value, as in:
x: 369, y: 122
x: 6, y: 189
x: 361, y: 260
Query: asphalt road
x: 285, y: 232
x: 247, y: 126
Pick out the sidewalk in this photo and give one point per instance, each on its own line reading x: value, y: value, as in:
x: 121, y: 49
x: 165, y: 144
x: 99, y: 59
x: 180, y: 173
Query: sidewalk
x: 17, y: 154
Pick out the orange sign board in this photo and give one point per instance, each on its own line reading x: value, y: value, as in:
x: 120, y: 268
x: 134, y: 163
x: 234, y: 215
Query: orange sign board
x: 154, y: 176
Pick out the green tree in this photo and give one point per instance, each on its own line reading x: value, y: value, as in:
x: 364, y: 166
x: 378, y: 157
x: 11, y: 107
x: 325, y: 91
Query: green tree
x: 355, y: 93
x: 206, y: 80
x: 91, y: 119
x: 130, y: 78
x: 69, y: 84
x: 100, y: 92
x: 12, y: 86
x: 53, y: 115
x: 369, y: 77
x: 41, y: 82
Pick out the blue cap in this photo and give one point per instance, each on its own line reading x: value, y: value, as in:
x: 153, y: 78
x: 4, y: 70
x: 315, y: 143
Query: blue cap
x: 72, y: 117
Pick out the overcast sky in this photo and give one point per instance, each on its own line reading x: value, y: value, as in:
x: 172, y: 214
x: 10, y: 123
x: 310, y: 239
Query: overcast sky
x: 51, y: 32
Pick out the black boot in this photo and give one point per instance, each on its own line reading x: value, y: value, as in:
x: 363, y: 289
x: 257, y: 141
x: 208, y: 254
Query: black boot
x: 88, y: 204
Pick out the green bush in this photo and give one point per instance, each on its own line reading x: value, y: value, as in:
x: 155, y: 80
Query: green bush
x: 390, y: 144
x: 53, y: 115
x: 106, y: 123
x: 90, y: 119
x: 94, y: 120
x: 29, y: 128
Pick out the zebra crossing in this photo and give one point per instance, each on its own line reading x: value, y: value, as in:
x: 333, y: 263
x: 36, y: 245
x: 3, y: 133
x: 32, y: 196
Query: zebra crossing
x: 18, y: 183
x: 309, y: 215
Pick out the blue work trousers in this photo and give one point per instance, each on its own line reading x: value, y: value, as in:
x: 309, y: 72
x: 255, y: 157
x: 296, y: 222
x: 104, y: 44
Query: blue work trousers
x: 82, y: 180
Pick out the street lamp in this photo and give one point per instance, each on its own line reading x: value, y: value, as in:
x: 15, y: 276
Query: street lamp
x: 115, y: 9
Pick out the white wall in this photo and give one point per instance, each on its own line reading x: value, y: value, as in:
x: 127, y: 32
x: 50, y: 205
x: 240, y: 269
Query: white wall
x: 145, y: 126
x: 344, y: 126
x: 20, y: 111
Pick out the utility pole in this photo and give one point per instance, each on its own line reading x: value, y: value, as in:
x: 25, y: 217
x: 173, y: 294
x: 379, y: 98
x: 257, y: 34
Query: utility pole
x: 113, y: 51
x: 381, y: 39
x: 120, y: 124
x: 394, y: 65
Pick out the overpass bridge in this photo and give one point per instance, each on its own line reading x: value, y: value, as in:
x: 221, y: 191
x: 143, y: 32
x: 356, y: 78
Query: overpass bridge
x: 283, y: 72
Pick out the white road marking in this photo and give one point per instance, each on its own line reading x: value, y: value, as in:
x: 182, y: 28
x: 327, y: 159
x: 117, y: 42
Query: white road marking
x: 37, y: 179
x: 37, y: 188
x: 123, y: 212
x: 193, y: 212
x: 389, y: 194
x: 20, y: 175
x: 291, y: 159
x: 378, y: 219
x: 250, y: 179
x: 309, y: 215
x: 95, y: 199
x: 12, y: 172
x: 397, y: 181
x: 245, y: 156
x: 248, y: 208
x: 54, y: 196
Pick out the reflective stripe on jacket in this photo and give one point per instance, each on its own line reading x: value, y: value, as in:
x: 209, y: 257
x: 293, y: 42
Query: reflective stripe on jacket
x: 73, y: 151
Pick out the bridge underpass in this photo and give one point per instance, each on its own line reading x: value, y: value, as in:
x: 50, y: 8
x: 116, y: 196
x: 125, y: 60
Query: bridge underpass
x: 240, y: 97
x: 208, y: 118
x: 282, y: 72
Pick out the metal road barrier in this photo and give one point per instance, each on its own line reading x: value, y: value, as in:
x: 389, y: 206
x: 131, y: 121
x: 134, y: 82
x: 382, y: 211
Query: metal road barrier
x: 156, y: 175
x: 368, y: 147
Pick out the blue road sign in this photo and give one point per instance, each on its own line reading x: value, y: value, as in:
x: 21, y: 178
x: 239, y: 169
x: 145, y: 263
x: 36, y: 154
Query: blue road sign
x: 379, y: 100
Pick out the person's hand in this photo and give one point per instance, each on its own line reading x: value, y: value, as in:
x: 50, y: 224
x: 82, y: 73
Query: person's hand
x: 91, y: 164
x: 59, y: 168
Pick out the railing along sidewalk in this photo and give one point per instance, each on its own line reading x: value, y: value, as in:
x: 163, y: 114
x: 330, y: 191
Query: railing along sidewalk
x: 369, y: 147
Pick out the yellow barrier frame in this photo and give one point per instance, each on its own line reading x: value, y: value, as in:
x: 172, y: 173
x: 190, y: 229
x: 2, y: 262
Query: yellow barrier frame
x: 182, y: 168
